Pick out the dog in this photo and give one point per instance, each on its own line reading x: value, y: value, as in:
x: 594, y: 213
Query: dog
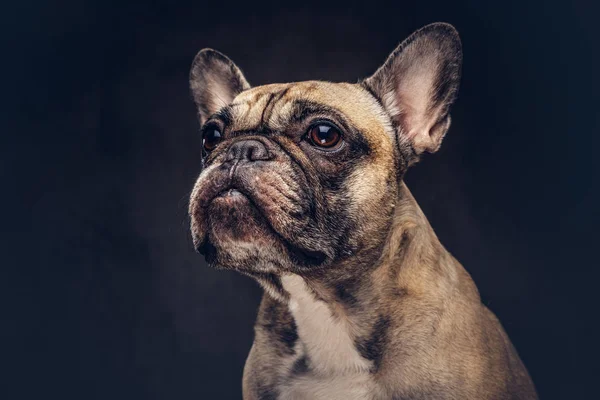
x: 302, y: 189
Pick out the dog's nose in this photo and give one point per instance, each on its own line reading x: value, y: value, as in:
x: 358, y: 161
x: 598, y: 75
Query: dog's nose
x: 247, y: 150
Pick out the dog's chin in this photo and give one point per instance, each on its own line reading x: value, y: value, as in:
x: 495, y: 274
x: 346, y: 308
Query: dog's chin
x: 240, y: 237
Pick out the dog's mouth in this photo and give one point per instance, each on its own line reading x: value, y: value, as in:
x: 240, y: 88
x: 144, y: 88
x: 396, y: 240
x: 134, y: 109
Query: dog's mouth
x: 246, y: 212
x: 231, y: 203
x: 232, y: 192
x: 231, y: 196
x: 233, y: 199
x: 229, y: 213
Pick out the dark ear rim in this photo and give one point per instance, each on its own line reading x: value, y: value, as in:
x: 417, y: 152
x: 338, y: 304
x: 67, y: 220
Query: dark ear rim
x: 207, y: 55
x: 203, y: 61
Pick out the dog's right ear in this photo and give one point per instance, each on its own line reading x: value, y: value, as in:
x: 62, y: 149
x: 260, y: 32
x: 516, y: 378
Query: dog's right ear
x: 215, y: 81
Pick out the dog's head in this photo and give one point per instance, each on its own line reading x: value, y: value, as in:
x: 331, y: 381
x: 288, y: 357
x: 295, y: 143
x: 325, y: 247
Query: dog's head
x: 301, y: 175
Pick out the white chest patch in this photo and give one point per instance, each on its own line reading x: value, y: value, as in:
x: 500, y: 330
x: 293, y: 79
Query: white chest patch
x: 327, y: 340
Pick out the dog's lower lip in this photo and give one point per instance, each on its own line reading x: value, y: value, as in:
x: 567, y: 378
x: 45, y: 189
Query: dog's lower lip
x: 230, y: 192
x: 233, y: 192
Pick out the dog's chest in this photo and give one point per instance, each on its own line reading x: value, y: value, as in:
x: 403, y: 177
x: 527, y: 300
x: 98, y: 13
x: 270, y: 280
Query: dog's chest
x: 332, y: 366
x: 350, y: 387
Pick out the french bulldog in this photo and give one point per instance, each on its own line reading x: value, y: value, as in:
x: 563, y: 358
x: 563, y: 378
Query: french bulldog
x: 302, y: 189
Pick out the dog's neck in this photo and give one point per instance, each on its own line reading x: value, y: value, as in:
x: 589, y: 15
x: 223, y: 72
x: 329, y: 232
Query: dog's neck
x: 339, y: 318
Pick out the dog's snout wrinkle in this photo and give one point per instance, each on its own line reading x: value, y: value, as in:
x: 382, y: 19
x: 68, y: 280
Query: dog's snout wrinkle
x: 232, y: 170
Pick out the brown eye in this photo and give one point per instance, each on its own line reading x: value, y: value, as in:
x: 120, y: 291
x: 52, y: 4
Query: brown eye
x: 324, y: 136
x: 211, y: 139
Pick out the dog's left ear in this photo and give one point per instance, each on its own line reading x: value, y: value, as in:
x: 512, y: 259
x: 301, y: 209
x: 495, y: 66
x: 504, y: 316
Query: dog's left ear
x: 418, y: 83
x: 215, y: 80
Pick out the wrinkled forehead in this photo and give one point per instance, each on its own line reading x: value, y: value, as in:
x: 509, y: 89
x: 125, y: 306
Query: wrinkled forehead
x: 275, y: 106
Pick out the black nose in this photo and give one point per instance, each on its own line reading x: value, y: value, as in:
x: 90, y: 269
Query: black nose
x: 247, y: 150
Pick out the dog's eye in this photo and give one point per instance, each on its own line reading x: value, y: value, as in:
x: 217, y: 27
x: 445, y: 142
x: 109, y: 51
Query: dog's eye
x: 211, y: 139
x: 324, y: 136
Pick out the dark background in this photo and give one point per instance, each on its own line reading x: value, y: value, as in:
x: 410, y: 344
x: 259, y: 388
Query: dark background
x: 103, y: 296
